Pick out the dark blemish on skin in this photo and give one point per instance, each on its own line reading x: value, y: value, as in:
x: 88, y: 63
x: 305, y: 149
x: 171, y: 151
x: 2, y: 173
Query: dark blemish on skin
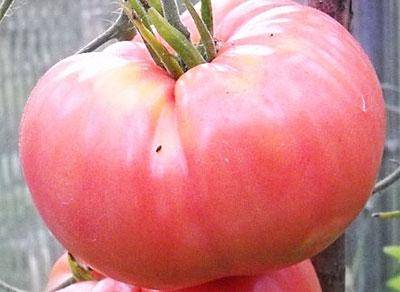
x: 271, y: 35
x: 159, y: 147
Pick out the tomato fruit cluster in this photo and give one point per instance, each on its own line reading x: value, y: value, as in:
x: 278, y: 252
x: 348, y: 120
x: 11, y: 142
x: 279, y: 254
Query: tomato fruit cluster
x: 298, y: 278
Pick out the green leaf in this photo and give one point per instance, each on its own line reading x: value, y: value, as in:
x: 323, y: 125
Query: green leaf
x: 393, y: 251
x: 394, y: 283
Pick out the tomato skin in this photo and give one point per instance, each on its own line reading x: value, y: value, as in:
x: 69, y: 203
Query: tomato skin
x: 298, y: 278
x: 253, y: 162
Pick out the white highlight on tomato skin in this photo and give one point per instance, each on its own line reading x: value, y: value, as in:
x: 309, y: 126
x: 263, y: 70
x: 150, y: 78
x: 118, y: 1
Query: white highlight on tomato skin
x: 363, y: 104
x: 66, y: 201
x: 223, y: 68
x: 250, y: 50
x: 257, y: 32
x: 258, y: 23
x: 135, y: 132
x: 170, y: 157
x: 243, y: 10
x: 87, y: 68
x: 277, y: 12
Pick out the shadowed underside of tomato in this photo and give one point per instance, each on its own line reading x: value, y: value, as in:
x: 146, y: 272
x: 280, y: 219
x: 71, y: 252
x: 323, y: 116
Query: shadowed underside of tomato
x: 298, y: 278
x: 254, y: 161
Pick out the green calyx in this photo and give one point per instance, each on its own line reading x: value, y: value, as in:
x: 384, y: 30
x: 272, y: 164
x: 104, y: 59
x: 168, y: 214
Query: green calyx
x: 206, y: 37
x: 157, y: 5
x: 206, y: 14
x: 161, y: 16
x: 79, y: 272
x: 168, y: 61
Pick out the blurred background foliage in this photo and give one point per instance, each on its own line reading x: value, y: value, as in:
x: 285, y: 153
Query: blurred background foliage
x: 38, y: 33
x: 394, y: 252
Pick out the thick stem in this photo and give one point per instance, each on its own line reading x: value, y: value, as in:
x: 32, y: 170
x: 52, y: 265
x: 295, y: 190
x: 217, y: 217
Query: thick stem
x: 206, y: 38
x: 120, y: 29
x: 330, y: 267
x: 171, y: 14
x: 185, y: 49
x: 4, y: 6
x: 207, y: 15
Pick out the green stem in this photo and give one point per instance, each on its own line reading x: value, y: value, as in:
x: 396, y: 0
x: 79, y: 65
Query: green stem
x: 206, y: 38
x: 207, y: 15
x: 169, y: 62
x: 387, y: 215
x: 171, y: 14
x: 120, y: 29
x: 185, y: 49
x: 141, y: 12
x: 157, y: 5
x: 4, y: 6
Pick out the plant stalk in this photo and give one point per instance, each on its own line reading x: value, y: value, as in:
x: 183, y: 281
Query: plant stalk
x: 120, y: 29
x: 387, y: 181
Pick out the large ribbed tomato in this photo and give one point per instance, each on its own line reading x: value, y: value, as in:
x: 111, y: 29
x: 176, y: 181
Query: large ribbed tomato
x: 297, y: 278
x: 254, y: 161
